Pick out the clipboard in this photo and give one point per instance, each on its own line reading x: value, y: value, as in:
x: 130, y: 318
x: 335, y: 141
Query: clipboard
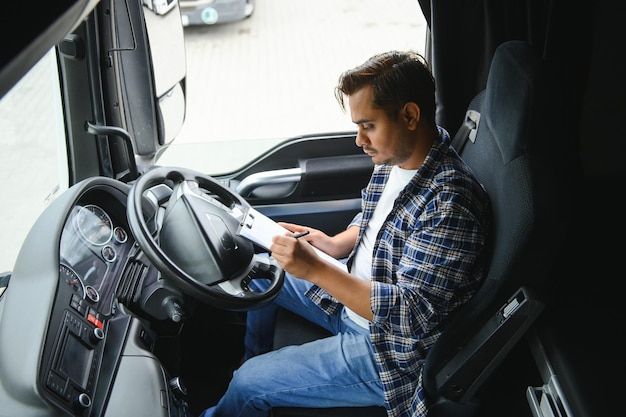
x: 260, y: 229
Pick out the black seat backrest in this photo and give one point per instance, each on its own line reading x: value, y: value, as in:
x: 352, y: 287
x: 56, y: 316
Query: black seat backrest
x: 514, y: 152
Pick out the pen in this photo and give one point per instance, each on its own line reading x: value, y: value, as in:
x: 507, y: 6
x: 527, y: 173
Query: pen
x: 298, y: 235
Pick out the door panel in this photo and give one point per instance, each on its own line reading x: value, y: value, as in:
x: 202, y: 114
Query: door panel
x: 314, y: 181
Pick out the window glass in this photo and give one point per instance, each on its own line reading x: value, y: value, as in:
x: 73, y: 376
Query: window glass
x: 254, y: 83
x: 251, y: 84
x: 33, y: 174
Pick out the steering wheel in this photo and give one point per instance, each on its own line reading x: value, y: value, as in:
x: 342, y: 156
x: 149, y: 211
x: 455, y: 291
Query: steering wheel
x: 192, y: 238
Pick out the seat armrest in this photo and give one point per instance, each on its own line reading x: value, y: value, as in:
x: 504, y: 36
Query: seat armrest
x: 476, y: 358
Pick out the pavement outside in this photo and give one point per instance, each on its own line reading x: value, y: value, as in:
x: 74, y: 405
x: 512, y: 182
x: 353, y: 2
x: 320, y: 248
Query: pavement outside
x: 253, y: 83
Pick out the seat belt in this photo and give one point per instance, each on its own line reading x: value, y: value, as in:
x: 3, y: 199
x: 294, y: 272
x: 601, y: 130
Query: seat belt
x: 468, y: 130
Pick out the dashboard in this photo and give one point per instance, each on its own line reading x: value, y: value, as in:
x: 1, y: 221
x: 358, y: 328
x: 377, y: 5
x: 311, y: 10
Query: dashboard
x: 93, y: 251
x: 94, y: 316
x: 80, y: 314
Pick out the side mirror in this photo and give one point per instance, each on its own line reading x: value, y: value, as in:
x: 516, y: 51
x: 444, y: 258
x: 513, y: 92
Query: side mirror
x: 147, y: 65
x: 167, y: 46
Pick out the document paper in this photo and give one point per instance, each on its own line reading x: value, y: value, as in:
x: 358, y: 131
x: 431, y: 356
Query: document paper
x: 260, y: 229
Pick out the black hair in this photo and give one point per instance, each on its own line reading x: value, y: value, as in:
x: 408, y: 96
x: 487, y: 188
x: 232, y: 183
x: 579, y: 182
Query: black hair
x: 396, y: 77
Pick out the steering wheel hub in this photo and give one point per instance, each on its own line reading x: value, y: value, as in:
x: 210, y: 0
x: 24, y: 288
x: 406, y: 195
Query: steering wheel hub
x: 196, y: 244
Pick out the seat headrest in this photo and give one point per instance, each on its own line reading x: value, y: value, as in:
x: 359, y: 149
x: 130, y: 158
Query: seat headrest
x: 510, y: 85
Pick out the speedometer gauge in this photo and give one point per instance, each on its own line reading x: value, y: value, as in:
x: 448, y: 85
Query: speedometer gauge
x: 72, y: 279
x: 94, y: 225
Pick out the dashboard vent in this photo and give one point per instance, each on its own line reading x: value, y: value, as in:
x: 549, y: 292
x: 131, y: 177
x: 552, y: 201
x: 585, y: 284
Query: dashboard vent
x: 132, y: 279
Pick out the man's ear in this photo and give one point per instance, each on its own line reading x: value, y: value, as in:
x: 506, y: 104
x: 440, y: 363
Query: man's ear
x: 411, y: 114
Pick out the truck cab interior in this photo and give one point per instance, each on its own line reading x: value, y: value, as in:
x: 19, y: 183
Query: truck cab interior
x: 128, y: 297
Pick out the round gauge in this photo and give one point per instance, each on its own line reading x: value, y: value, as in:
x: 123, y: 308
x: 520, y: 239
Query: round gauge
x: 94, y: 224
x: 72, y: 279
x: 120, y: 234
x: 92, y: 293
x: 108, y: 253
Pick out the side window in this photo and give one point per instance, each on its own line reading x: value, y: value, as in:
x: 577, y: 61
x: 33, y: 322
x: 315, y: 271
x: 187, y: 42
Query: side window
x: 257, y: 81
x: 32, y: 132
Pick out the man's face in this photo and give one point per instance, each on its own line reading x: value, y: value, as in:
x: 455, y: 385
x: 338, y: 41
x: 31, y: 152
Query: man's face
x: 385, y: 140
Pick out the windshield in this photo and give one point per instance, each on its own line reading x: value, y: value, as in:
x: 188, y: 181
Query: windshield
x: 251, y: 84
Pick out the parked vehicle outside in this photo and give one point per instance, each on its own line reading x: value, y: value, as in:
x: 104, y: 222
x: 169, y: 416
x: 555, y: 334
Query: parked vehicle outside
x: 211, y: 12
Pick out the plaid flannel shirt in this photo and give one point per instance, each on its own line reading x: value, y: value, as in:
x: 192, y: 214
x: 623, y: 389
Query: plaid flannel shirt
x: 427, y: 261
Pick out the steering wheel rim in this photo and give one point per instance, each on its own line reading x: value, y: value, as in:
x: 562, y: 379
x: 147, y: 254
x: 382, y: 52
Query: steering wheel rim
x: 215, y: 264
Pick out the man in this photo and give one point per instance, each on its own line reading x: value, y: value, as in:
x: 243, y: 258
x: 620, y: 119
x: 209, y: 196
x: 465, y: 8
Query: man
x: 415, y: 254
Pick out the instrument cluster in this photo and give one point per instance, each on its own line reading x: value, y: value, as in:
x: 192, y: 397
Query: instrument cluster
x: 92, y: 243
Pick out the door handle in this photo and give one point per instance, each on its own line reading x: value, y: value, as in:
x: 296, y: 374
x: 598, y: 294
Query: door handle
x: 260, y: 179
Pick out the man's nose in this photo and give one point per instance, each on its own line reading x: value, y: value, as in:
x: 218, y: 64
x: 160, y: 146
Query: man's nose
x: 361, y: 139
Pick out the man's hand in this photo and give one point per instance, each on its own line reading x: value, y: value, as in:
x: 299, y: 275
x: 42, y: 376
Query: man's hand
x: 299, y: 258
x: 296, y: 256
x: 338, y: 246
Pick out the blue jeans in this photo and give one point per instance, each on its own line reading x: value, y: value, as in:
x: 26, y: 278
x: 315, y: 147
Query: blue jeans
x: 337, y: 371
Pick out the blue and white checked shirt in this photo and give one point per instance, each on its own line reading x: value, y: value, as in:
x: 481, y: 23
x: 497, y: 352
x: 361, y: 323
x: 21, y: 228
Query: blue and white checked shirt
x: 427, y: 262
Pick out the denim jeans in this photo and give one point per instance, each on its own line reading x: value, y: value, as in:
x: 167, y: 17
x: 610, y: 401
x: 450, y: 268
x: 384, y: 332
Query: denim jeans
x: 337, y: 371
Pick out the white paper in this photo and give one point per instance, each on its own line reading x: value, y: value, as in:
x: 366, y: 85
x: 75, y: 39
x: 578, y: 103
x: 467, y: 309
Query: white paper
x: 260, y: 229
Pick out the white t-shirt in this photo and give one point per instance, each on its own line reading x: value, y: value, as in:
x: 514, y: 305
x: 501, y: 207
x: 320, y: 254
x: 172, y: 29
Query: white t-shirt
x: 362, y: 263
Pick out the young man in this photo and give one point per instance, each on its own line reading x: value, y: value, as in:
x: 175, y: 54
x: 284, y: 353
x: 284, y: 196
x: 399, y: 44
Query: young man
x: 415, y: 254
